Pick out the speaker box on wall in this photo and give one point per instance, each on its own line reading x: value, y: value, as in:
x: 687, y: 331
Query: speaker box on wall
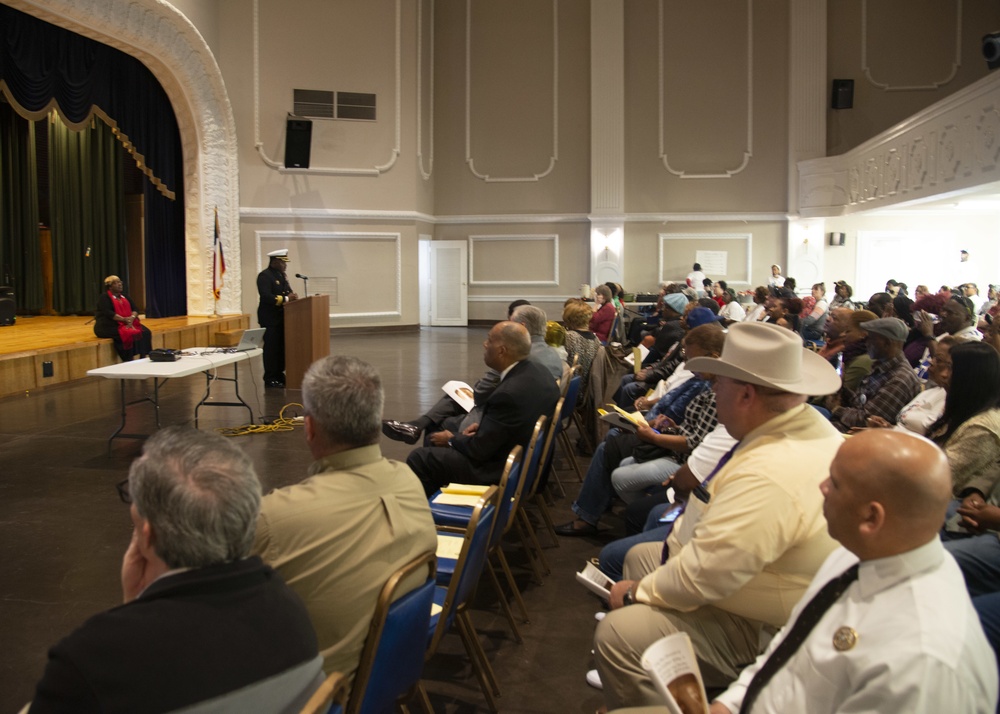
x: 298, y: 139
x: 843, y: 94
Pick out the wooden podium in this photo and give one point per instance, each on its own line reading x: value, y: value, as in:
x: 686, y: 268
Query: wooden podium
x: 307, y: 336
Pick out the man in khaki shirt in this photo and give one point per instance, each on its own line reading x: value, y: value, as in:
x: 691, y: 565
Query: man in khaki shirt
x: 739, y: 563
x: 337, y: 536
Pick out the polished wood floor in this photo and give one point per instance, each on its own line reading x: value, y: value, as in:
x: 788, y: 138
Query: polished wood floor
x: 63, y: 530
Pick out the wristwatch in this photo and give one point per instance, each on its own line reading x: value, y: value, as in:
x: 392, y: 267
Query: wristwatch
x: 627, y: 598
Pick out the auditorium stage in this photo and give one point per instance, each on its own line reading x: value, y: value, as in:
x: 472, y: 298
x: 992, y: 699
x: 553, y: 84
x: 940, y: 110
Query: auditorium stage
x: 70, y: 345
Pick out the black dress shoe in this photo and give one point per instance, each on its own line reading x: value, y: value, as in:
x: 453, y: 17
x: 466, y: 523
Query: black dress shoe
x: 572, y: 529
x: 401, y: 431
x: 273, y: 384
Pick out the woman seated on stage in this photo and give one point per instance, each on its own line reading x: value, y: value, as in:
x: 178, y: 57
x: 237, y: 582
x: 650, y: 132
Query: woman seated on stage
x: 116, y: 320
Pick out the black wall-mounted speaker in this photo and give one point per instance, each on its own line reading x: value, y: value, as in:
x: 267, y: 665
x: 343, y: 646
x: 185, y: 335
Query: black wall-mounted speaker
x: 837, y: 239
x: 298, y: 140
x: 842, y: 96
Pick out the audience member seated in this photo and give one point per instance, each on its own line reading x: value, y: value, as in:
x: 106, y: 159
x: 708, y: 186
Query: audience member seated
x: 924, y: 310
x: 669, y: 331
x: 731, y: 310
x: 885, y: 624
x: 682, y: 417
x: 201, y: 619
x: 642, y: 515
x: 857, y: 363
x: 756, y: 314
x: 604, y: 318
x: 555, y: 337
x: 337, y: 536
x: 737, y: 564
x: 116, y: 319
x: 777, y: 279
x: 534, y: 320
x: 814, y: 321
x: 969, y: 428
x: 635, y: 385
x: 891, y: 384
x: 581, y: 343
x: 446, y: 409
x: 719, y: 289
x: 928, y: 406
x: 957, y: 319
x: 835, y: 334
x: 879, y: 303
x: 842, y: 294
x: 477, y: 455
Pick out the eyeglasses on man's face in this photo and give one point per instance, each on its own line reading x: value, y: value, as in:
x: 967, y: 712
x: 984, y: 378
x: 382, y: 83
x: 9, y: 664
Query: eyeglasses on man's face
x: 123, y: 494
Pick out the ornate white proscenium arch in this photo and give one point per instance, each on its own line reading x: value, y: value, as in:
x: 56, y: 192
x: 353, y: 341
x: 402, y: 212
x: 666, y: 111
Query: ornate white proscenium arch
x: 175, y: 52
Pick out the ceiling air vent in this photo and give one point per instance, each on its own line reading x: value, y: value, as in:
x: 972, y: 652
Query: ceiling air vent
x: 322, y: 104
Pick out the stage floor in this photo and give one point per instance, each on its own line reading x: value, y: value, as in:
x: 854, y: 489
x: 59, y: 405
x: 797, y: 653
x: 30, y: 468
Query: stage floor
x: 39, y: 333
x: 37, y: 352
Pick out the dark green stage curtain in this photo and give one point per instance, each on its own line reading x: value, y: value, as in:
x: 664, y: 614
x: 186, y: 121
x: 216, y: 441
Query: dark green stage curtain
x: 88, y: 217
x: 20, y: 257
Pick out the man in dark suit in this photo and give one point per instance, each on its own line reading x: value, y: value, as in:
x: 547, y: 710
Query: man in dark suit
x: 477, y: 455
x: 275, y: 293
x: 201, y: 619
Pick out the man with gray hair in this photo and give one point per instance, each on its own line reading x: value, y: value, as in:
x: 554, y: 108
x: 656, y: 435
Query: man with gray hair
x: 201, y: 619
x: 535, y: 321
x: 477, y: 454
x: 337, y: 536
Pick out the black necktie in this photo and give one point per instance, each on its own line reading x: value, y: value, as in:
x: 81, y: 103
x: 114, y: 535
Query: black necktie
x: 810, y: 615
x: 718, y: 467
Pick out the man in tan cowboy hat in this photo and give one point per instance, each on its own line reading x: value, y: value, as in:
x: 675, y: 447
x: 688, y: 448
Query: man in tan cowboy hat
x: 737, y: 562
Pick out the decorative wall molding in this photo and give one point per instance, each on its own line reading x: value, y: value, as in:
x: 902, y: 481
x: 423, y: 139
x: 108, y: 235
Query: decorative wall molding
x: 950, y: 146
x: 956, y: 63
x: 425, y: 173
x: 748, y: 153
x: 554, y: 156
x: 553, y: 238
x: 533, y: 299
x: 664, y: 238
x: 395, y: 238
x: 607, y: 106
x: 177, y: 55
x: 327, y: 214
x: 376, y: 170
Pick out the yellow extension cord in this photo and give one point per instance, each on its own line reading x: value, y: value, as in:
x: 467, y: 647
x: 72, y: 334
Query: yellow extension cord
x: 282, y: 423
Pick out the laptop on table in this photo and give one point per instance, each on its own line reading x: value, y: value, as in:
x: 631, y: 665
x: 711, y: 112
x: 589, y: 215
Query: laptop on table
x: 253, y: 339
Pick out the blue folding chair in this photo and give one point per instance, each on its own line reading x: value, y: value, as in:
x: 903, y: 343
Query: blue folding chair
x: 530, y: 472
x: 394, y: 653
x: 559, y: 429
x: 453, y: 600
x: 458, y: 517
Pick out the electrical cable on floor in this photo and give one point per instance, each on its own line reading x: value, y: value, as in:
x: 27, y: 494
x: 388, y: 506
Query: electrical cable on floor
x: 281, y: 423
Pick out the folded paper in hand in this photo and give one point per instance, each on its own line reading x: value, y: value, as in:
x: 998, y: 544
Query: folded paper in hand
x: 461, y: 393
x: 594, y: 580
x: 672, y: 666
x: 621, y: 419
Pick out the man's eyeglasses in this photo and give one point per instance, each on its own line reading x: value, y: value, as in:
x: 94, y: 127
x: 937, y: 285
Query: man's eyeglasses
x: 123, y: 493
